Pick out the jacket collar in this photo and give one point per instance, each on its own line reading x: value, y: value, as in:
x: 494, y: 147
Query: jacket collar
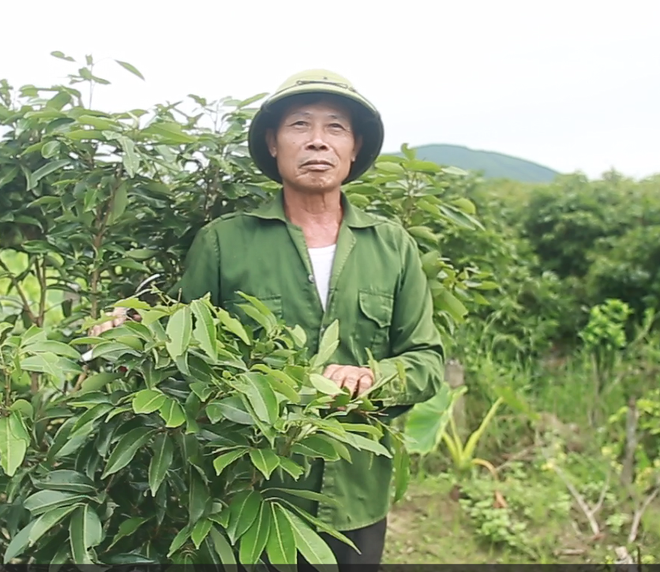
x: 353, y: 216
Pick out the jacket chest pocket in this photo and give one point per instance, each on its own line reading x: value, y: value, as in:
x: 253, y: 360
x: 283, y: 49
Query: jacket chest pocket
x: 375, y: 321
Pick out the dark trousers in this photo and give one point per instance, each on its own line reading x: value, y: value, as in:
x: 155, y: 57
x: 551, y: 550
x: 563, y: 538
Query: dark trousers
x: 370, y: 540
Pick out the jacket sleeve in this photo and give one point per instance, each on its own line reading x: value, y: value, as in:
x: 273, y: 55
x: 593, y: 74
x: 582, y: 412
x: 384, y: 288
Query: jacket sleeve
x: 414, y: 340
x: 201, y: 269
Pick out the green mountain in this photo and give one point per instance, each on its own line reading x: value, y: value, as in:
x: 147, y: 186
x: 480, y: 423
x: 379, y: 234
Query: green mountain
x: 492, y: 165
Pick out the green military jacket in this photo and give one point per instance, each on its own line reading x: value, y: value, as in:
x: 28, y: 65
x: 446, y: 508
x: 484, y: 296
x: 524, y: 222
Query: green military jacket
x: 378, y: 292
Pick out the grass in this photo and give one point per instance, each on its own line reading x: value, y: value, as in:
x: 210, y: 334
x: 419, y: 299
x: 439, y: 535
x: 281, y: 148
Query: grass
x: 529, y: 516
x: 431, y: 526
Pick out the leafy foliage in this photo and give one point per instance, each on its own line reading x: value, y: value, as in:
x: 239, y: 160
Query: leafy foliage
x: 162, y: 446
x: 168, y: 450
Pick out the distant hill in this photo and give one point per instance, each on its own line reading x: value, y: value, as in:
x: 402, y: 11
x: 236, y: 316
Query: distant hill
x: 492, y: 165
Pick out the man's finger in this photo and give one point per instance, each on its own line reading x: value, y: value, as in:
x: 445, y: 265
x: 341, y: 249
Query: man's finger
x: 366, y: 381
x: 351, y: 382
x: 330, y: 370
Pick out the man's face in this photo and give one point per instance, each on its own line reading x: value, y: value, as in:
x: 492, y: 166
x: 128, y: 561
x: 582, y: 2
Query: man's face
x: 314, y: 146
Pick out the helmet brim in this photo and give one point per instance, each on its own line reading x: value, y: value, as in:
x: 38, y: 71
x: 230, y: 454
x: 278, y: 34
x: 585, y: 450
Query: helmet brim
x: 366, y: 119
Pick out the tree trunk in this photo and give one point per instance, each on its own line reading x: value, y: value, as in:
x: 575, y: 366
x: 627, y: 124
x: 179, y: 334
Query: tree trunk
x: 632, y: 417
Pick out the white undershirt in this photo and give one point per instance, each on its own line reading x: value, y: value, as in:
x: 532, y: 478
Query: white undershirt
x: 322, y: 259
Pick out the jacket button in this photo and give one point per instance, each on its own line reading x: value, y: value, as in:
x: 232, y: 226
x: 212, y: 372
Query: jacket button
x: 311, y: 278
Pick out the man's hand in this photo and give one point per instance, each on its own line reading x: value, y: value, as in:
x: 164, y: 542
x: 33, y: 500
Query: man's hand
x: 120, y: 315
x: 356, y: 379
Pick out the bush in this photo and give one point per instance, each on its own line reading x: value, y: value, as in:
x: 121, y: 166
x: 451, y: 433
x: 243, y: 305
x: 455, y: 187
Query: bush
x: 164, y: 453
x: 158, y: 448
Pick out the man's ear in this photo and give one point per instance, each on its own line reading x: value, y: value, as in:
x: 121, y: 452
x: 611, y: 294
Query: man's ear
x: 271, y: 142
x: 357, y: 147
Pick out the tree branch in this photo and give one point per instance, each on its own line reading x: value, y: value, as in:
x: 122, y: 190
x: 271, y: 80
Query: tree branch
x: 637, y: 517
x: 40, y: 272
x: 16, y: 284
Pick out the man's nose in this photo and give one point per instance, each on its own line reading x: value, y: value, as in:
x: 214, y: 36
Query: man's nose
x: 317, y: 140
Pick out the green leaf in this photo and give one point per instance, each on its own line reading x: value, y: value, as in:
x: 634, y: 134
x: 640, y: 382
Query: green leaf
x: 460, y: 218
x: 57, y: 348
x: 160, y: 462
x: 222, y: 548
x: 179, y: 540
x: 451, y: 304
x: 61, y: 557
x: 299, y: 336
x: 86, y: 421
x: 198, y: 496
x: 179, y: 332
x: 131, y: 68
x: 366, y: 444
x: 423, y: 166
x: 68, y: 481
x: 204, y: 331
x: 117, y: 348
x: 281, y: 545
x: 253, y: 543
x: 47, y: 521
x: 310, y: 544
x: 169, y: 132
x: 97, y: 381
x: 126, y: 448
x: 226, y: 459
x: 44, y: 171
x: 50, y: 149
x: 243, y: 511
x: 50, y: 364
x: 202, y: 390
x: 127, y: 528
x: 148, y: 401
x: 308, y: 495
x: 328, y: 344
x: 473, y: 439
x: 13, y: 444
x: 130, y: 160
x: 60, y: 55
x: 401, y: 469
x: 172, y: 413
x: 466, y: 205
x: 275, y: 381
x: 200, y: 531
x: 323, y: 384
x: 119, y: 203
x: 315, y: 446
x: 47, y: 500
x: 322, y: 526
x: 424, y: 233
x: 85, y: 532
x: 291, y: 467
x: 98, y: 122
x: 19, y: 542
x: 230, y: 408
x: 233, y: 325
x: 426, y: 421
x: 261, y: 397
x: 265, y: 460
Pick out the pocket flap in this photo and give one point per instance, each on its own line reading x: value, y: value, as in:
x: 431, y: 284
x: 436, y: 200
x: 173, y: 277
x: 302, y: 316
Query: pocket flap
x: 377, y: 307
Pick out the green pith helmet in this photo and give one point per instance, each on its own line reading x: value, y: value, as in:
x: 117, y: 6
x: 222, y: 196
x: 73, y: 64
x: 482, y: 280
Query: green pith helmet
x: 366, y: 119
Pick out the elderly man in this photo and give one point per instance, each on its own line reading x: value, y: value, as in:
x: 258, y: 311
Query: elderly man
x: 313, y: 258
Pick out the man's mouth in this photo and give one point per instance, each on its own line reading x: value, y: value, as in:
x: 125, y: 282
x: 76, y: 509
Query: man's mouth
x: 317, y: 163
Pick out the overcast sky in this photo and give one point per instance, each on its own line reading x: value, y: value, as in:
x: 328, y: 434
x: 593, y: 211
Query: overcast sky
x: 571, y: 84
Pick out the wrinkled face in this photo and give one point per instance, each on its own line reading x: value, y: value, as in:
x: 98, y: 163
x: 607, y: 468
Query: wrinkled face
x: 314, y: 146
